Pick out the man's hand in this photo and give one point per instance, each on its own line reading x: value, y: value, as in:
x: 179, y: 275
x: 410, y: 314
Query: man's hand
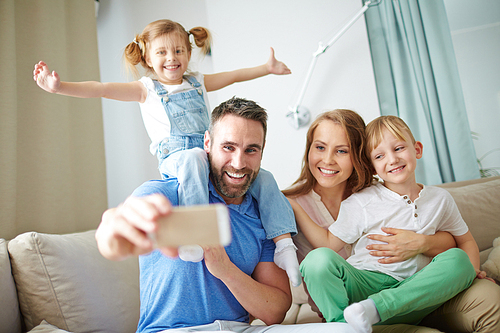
x: 401, y: 245
x: 123, y: 230
x: 265, y: 295
x: 276, y: 67
x: 217, y: 261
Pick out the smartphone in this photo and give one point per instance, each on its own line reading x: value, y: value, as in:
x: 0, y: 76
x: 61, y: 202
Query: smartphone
x: 187, y: 225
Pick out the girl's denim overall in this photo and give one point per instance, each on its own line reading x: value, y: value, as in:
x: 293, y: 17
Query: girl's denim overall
x: 189, y: 120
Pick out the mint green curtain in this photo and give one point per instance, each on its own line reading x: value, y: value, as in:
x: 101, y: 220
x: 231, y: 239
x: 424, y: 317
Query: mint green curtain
x: 417, y: 79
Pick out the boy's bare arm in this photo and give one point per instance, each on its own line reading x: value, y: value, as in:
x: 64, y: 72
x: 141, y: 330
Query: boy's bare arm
x: 467, y: 243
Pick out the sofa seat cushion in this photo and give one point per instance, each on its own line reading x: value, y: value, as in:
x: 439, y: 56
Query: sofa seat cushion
x: 64, y: 280
x: 10, y: 317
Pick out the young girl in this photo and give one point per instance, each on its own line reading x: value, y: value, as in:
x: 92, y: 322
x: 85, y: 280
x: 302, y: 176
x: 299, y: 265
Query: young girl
x: 400, y: 292
x: 174, y: 108
x: 335, y: 166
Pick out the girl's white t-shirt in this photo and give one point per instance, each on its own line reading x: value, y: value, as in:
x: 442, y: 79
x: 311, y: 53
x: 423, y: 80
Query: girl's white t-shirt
x: 153, y: 113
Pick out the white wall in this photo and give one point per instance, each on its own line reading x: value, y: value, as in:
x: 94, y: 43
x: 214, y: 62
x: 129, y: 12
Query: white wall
x: 475, y: 29
x: 243, y: 32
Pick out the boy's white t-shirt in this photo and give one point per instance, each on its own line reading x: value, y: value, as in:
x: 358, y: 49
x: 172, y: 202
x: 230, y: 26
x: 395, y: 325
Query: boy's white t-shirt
x: 153, y: 113
x: 365, y: 212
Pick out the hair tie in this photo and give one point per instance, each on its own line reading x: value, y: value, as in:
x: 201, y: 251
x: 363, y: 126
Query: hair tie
x: 138, y: 44
x: 191, y: 37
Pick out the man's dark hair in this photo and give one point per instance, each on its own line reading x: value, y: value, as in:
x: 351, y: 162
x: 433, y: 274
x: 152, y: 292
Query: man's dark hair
x: 242, y: 108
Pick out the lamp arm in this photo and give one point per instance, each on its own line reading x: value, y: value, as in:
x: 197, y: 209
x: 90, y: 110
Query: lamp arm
x: 322, y: 49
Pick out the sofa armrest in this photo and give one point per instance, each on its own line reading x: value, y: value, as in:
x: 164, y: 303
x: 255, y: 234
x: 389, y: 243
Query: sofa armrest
x: 64, y: 280
x: 10, y: 316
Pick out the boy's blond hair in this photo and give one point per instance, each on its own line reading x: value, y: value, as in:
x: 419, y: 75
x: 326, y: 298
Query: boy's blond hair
x: 395, y: 125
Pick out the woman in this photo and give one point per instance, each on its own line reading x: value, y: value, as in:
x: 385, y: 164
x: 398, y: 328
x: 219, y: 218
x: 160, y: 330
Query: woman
x: 334, y: 166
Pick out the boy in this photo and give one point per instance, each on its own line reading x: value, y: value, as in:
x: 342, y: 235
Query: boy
x: 390, y: 293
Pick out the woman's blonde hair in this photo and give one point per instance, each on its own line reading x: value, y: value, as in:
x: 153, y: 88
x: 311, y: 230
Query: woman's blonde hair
x: 395, y: 125
x: 135, y: 53
x: 354, y: 127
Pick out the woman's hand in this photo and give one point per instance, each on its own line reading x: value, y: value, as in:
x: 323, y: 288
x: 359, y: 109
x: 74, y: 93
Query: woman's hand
x: 401, y: 245
x: 404, y: 244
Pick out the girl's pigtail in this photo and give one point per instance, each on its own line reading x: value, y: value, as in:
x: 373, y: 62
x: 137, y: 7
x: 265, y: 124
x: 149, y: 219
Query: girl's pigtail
x: 134, y: 55
x: 202, y: 39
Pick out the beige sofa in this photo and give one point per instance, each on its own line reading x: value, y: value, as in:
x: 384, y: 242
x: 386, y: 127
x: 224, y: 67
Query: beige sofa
x: 59, y: 283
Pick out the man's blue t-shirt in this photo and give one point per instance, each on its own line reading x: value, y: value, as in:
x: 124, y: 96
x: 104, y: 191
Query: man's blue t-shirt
x: 176, y: 293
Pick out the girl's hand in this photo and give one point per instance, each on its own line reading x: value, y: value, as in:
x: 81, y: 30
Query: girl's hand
x: 276, y: 67
x: 44, y: 79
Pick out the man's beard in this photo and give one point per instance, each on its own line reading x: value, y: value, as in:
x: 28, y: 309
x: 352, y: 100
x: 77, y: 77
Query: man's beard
x: 229, y: 190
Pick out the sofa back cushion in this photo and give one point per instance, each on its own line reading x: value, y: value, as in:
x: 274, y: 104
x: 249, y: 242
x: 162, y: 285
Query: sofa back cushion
x: 64, y: 280
x: 479, y: 204
x: 10, y: 317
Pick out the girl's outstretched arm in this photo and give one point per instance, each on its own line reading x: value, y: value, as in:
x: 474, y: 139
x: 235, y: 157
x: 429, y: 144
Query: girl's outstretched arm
x: 316, y: 235
x: 50, y: 81
x: 221, y: 80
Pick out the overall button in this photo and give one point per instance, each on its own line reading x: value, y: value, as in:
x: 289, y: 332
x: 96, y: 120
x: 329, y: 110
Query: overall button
x: 165, y: 151
x: 200, y: 92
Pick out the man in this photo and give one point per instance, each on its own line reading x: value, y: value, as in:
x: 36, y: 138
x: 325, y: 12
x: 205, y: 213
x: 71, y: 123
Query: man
x: 232, y: 284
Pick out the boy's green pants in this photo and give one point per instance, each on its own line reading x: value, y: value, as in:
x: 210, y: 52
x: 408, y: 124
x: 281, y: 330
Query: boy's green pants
x: 334, y: 284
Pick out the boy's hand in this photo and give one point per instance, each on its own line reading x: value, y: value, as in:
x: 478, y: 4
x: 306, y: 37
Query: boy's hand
x: 482, y: 275
x: 276, y: 67
x: 44, y: 79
